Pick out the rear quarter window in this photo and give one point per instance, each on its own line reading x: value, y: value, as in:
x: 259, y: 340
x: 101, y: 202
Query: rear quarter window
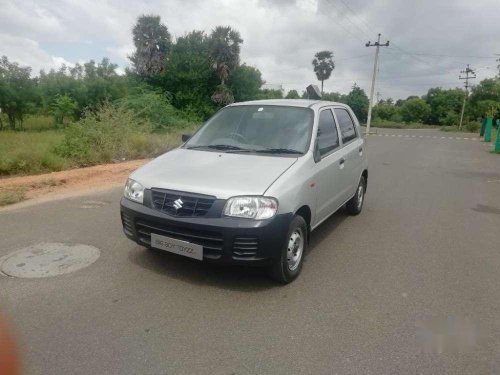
x: 346, y: 124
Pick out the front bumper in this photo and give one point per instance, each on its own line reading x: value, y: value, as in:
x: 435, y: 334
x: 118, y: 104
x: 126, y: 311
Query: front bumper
x: 224, y: 239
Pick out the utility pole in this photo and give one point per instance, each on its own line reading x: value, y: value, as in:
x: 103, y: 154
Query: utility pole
x: 469, y: 74
x: 378, y: 97
x: 370, y: 106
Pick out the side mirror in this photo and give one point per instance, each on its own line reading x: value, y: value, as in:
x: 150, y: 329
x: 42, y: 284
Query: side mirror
x: 317, y: 155
x: 186, y: 137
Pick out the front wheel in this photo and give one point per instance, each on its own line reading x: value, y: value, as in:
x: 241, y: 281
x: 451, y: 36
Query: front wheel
x: 288, y: 266
x: 355, y: 204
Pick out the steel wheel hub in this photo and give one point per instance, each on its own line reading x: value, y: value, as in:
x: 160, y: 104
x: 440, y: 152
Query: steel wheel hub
x: 295, y: 249
x: 360, y: 196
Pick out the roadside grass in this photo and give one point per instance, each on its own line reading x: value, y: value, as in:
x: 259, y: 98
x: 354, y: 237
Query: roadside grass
x: 35, y: 123
x: 467, y: 128
x: 38, y: 123
x: 385, y: 124
x: 11, y: 196
x: 27, y: 153
x: 23, y: 152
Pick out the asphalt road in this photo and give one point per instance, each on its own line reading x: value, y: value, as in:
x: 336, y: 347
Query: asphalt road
x: 410, y: 286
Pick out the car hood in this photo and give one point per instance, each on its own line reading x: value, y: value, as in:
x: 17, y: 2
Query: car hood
x: 222, y: 175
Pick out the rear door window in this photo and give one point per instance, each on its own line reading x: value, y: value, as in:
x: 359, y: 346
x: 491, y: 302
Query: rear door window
x: 328, y: 137
x: 347, y: 128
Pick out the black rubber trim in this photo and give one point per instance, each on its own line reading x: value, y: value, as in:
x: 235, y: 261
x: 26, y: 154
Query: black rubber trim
x: 270, y: 235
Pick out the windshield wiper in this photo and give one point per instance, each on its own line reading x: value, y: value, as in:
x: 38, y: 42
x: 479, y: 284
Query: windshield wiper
x: 218, y: 147
x: 279, y: 151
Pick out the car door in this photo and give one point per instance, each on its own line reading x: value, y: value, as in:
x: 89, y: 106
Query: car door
x: 352, y: 151
x: 329, y: 165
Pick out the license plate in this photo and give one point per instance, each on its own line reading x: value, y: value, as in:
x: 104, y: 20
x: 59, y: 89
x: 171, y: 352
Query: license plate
x: 172, y: 245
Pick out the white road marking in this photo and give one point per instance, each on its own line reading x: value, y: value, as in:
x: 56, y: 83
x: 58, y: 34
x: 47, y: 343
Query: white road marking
x: 427, y: 136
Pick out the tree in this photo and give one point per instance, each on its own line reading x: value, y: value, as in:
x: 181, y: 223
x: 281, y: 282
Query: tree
x: 292, y: 94
x: 487, y: 90
x: 152, y: 44
x: 63, y: 107
x: 245, y: 82
x: 224, y: 50
x: 333, y: 97
x: 223, y: 56
x: 415, y: 110
x: 384, y: 111
x: 323, y: 66
x: 188, y: 77
x: 89, y: 85
x: 270, y: 94
x: 445, y: 106
x: 358, y: 101
x: 17, y: 91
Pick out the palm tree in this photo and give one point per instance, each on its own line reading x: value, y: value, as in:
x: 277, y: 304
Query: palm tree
x: 152, y: 44
x: 323, y: 66
x: 224, y: 50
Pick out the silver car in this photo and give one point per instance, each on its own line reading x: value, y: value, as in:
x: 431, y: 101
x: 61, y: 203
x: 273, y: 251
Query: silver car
x: 251, y: 185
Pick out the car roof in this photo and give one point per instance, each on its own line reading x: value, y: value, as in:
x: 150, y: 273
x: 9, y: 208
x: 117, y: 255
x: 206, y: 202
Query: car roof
x: 304, y: 103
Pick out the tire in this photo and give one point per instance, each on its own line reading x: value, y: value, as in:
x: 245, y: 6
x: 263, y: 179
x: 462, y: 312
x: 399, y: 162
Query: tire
x: 288, y: 266
x: 355, y: 204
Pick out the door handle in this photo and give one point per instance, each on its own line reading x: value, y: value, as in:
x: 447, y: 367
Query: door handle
x: 342, y: 161
x: 361, y: 149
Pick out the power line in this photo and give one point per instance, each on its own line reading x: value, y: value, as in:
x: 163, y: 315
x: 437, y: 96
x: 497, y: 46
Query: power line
x: 347, y: 18
x: 338, y: 22
x: 369, y: 29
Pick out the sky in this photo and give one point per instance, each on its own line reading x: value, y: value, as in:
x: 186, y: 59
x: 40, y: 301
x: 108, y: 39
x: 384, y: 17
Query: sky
x: 430, y: 40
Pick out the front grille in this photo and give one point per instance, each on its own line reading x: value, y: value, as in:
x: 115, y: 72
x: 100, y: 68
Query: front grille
x: 245, y: 246
x: 181, y: 204
x: 211, y: 241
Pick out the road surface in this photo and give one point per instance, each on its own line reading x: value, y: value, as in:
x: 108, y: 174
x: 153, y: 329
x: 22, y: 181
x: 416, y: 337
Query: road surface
x: 410, y: 286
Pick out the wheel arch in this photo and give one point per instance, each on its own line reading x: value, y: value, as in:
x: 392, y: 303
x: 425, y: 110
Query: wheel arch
x: 365, y: 175
x: 306, y: 213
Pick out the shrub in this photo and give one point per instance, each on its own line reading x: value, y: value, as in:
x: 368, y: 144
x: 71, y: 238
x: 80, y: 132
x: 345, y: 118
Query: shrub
x: 155, y: 107
x: 472, y: 127
x: 102, y: 136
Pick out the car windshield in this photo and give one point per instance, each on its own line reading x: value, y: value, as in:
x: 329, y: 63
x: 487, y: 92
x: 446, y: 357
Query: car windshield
x: 254, y: 128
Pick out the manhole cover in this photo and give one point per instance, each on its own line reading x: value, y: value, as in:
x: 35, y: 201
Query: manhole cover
x: 48, y: 259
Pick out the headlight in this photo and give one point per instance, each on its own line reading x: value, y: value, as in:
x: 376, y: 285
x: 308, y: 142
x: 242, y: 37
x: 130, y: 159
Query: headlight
x: 251, y: 207
x: 134, y: 191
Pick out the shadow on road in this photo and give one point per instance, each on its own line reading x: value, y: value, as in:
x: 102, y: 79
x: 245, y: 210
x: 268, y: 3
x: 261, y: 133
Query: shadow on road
x: 240, y: 278
x: 243, y: 279
x: 326, y: 229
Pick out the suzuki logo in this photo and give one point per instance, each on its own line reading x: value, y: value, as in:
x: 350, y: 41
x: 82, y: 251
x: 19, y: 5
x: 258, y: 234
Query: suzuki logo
x: 178, y: 203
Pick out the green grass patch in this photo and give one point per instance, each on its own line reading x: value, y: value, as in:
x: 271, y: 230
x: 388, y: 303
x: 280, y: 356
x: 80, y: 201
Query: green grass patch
x: 31, y: 123
x: 471, y: 127
x: 110, y: 135
x: 30, y: 152
x: 11, y: 197
x: 386, y: 124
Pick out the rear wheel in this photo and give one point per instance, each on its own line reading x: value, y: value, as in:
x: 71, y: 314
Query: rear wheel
x: 288, y: 266
x: 355, y: 204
